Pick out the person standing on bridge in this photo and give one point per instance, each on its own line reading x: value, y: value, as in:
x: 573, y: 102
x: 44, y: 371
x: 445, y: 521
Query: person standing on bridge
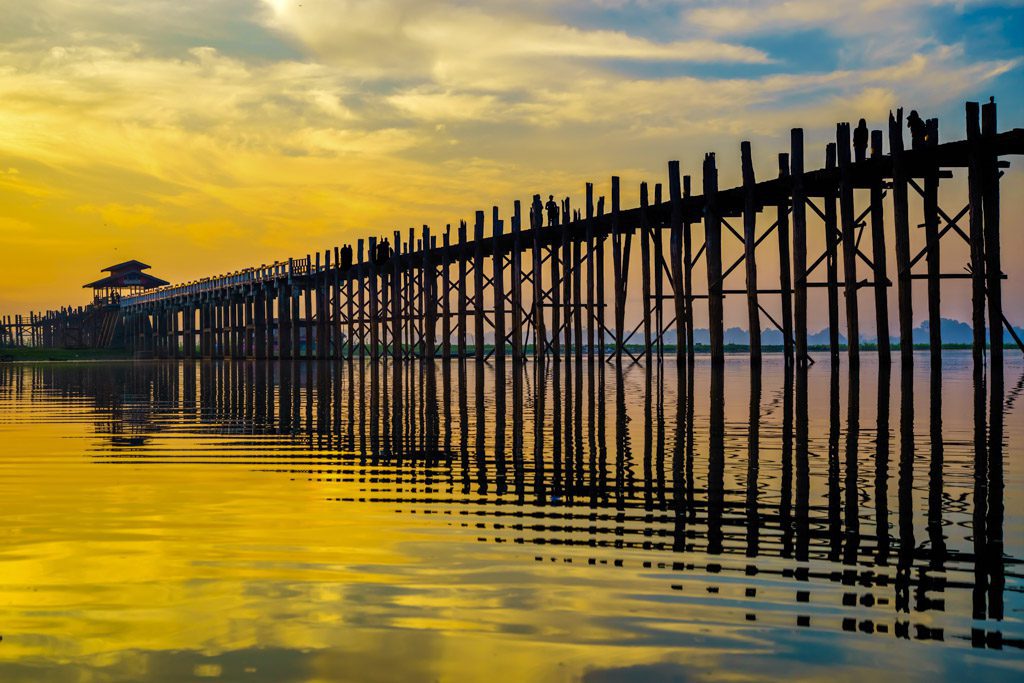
x: 346, y: 257
x: 552, y: 209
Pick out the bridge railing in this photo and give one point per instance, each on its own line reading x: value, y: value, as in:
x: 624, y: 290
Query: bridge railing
x: 263, y: 273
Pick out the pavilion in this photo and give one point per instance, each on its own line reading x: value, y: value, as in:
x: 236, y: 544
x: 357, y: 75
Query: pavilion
x: 125, y: 279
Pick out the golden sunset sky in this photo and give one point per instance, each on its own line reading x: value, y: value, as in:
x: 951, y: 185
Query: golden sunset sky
x: 202, y: 137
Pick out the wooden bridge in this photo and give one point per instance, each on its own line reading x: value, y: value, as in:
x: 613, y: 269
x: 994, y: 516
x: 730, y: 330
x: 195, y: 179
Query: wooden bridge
x: 541, y: 288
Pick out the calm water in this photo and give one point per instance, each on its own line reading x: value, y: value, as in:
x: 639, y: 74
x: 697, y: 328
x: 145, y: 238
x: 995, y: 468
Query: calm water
x: 322, y: 522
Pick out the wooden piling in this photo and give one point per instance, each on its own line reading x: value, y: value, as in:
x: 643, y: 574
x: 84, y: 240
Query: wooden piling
x: 675, y: 248
x: 975, y: 198
x: 617, y: 268
x: 750, y: 209
x: 849, y: 237
x: 799, y: 198
x: 785, y: 268
x: 932, y: 244
x: 831, y: 253
x: 498, y: 288
x: 878, y: 255
x: 536, y: 222
x: 478, y: 287
x: 517, y: 283
x: 645, y: 272
x: 446, y: 300
x: 713, y: 248
x: 901, y: 224
x: 462, y: 295
x: 993, y: 257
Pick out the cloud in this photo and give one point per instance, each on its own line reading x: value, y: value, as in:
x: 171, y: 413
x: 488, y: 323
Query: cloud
x: 223, y: 133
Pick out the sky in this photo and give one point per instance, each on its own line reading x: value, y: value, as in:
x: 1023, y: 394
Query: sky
x: 207, y: 136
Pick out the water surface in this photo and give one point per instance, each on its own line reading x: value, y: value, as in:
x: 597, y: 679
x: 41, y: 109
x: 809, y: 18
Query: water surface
x: 332, y: 521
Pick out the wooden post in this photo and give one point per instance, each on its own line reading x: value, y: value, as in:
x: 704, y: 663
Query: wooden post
x: 374, y: 301
x: 798, y: 196
x: 785, y: 268
x: 849, y: 237
x: 397, y: 300
x: 617, y: 268
x: 498, y: 288
x: 675, y: 248
x: 993, y: 259
x: 259, y: 323
x: 645, y: 272
x: 831, y: 254
x: 536, y: 224
x: 750, y: 208
x: 429, y: 289
x: 446, y: 303
x: 713, y: 245
x: 590, y: 271
x: 975, y: 194
x: 478, y: 287
x: 901, y: 223
x: 567, y: 274
x: 599, y: 267
x: 554, y: 259
x: 878, y: 255
x: 517, y: 283
x: 577, y: 303
x: 931, y: 233
x: 350, y: 324
x: 462, y: 255
x: 659, y: 280
x: 268, y: 300
x: 307, y: 287
x: 365, y: 272
x: 688, y: 269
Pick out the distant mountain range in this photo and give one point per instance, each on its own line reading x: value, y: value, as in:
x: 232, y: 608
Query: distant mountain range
x: 953, y: 332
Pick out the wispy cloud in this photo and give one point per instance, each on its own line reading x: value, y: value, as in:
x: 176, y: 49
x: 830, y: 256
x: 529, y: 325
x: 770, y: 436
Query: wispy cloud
x: 219, y: 134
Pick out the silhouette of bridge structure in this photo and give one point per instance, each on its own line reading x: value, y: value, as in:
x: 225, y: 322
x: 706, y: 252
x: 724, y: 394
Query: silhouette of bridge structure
x: 545, y: 287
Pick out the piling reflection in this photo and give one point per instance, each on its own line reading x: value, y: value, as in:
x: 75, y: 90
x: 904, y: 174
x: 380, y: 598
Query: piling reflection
x: 775, y: 482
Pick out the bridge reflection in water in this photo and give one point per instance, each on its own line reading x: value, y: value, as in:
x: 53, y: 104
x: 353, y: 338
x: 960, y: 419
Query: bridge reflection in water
x: 867, y: 501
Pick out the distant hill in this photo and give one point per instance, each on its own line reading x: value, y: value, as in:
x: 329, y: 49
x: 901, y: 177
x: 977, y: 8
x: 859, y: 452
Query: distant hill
x: 953, y: 332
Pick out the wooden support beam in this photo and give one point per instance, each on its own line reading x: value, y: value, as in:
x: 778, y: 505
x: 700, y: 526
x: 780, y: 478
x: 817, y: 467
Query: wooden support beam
x: 536, y: 222
x: 446, y: 299
x: 498, y: 288
x: 901, y: 224
x: 645, y: 272
x: 617, y: 270
x: 600, y: 271
x: 363, y: 280
x: 675, y: 248
x: 849, y: 237
x: 463, y: 296
x: 429, y: 294
x: 931, y: 233
x: 750, y: 209
x: 975, y: 197
x: 554, y: 260
x: 831, y: 254
x: 993, y: 257
x: 713, y: 240
x: 374, y: 301
x: 517, y: 283
x: 785, y: 268
x: 478, y: 287
x: 397, y: 299
x: 878, y: 255
x: 589, y: 236
x: 799, y: 244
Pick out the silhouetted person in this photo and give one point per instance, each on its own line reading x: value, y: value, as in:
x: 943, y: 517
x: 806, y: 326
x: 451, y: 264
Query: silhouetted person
x: 383, y: 251
x: 918, y: 130
x: 346, y: 257
x: 552, y: 209
x: 860, y: 140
